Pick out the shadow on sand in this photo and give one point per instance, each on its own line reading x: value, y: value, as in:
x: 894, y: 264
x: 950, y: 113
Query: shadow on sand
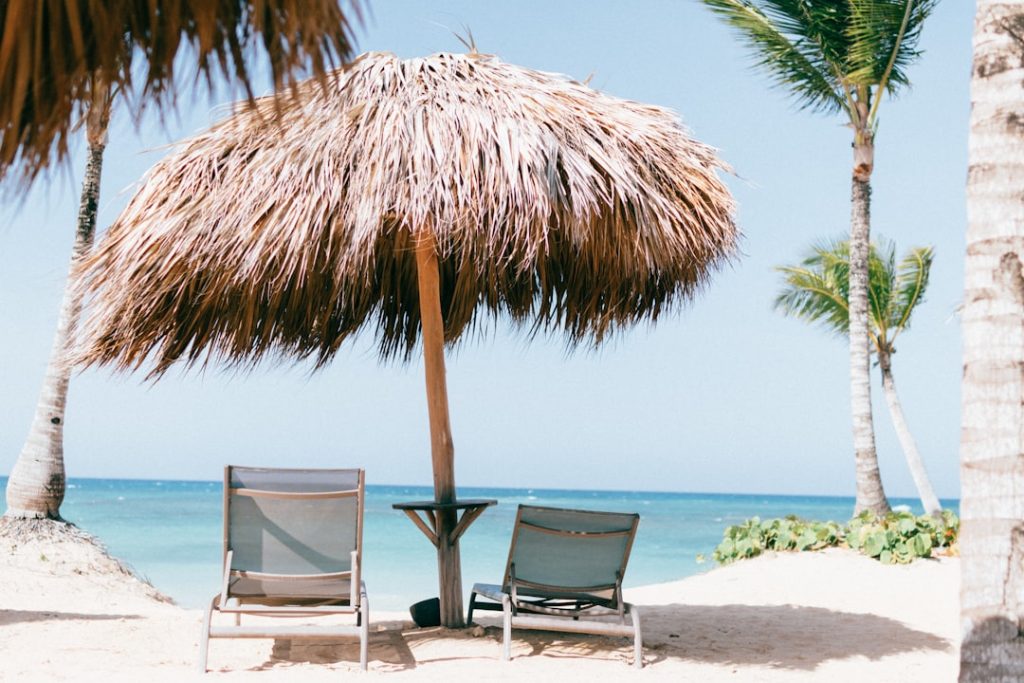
x: 778, y: 636
x: 18, y: 616
x: 775, y: 636
x: 387, y: 650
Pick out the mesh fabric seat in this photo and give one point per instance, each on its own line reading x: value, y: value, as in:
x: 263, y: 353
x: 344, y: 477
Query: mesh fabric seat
x: 564, y: 573
x: 292, y: 547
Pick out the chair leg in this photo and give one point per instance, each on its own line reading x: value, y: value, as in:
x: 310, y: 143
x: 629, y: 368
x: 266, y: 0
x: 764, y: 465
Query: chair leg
x: 506, y: 607
x: 638, y: 639
x: 204, y: 639
x: 364, y: 628
x: 472, y: 604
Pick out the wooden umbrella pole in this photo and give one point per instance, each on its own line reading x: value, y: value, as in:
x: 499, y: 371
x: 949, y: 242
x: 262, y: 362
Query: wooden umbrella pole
x: 442, y: 451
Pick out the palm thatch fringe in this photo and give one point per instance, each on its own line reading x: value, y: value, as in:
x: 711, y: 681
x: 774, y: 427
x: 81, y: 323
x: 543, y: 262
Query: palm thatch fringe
x: 51, y: 49
x: 551, y: 203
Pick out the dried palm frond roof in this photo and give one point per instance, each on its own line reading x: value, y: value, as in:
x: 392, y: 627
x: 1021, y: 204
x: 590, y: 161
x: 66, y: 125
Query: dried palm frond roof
x: 552, y: 203
x: 51, y: 49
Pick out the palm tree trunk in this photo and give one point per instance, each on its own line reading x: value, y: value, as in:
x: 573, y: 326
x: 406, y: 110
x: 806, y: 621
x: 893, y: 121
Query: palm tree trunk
x: 870, y: 494
x: 929, y: 500
x: 36, y: 486
x: 992, y: 433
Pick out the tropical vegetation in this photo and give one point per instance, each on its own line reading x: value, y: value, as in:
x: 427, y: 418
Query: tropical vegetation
x: 841, y: 57
x: 893, y: 538
x: 817, y: 290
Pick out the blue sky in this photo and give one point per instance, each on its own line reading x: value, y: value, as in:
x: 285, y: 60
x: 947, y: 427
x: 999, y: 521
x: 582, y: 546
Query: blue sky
x: 724, y: 396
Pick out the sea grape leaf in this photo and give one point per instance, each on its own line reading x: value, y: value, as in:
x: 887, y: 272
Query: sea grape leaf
x: 874, y: 544
x: 806, y: 539
x: 907, y: 525
x: 923, y: 545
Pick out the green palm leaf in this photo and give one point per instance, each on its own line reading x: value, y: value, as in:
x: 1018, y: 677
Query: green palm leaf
x: 793, y: 46
x: 883, y: 37
x: 911, y: 281
x: 881, y: 282
x: 817, y: 290
x: 819, y: 25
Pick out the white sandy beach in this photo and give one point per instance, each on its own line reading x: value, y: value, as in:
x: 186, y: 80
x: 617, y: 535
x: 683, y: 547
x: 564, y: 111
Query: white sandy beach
x: 65, y: 615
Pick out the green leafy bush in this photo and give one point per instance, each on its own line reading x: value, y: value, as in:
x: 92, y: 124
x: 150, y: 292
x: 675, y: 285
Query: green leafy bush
x: 898, y: 537
x: 753, y: 537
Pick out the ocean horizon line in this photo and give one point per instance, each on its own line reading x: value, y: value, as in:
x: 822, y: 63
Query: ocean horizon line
x: 896, y: 499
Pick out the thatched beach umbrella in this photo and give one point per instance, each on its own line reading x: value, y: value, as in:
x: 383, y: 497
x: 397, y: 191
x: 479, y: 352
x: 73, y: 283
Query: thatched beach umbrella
x: 414, y: 198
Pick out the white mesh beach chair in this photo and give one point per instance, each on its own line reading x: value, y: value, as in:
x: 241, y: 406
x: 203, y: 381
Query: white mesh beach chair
x: 292, y: 548
x: 564, y: 573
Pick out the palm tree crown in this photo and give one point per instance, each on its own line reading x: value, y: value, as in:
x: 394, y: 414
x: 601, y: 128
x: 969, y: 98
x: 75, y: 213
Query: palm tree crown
x: 833, y: 55
x: 818, y: 289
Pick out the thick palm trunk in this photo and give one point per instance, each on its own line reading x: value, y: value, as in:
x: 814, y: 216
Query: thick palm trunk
x: 929, y: 500
x: 36, y: 485
x: 992, y: 434
x: 870, y: 494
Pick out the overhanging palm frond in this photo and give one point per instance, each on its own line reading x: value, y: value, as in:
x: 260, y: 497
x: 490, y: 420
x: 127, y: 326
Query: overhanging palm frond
x: 911, y: 282
x: 883, y: 40
x: 50, y: 50
x: 793, y: 47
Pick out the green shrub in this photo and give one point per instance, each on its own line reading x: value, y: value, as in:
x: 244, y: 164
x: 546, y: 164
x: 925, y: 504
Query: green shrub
x: 753, y: 537
x: 740, y: 541
x: 898, y: 537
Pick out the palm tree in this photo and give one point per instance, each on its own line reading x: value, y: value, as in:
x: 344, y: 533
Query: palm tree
x: 817, y: 291
x: 59, y: 63
x: 35, y: 488
x: 841, y: 57
x: 992, y: 435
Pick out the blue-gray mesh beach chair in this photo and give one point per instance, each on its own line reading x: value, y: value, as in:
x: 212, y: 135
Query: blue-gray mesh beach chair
x: 564, y: 573
x: 292, y: 548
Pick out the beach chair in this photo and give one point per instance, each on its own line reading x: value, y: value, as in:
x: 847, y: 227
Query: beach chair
x: 292, y: 548
x: 564, y: 573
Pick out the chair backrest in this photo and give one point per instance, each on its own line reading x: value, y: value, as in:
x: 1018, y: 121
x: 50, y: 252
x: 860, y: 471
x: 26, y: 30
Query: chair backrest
x: 558, y: 552
x: 287, y: 525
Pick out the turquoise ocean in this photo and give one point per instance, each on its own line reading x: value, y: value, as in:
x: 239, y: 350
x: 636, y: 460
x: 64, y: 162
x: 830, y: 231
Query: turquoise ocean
x: 169, y: 532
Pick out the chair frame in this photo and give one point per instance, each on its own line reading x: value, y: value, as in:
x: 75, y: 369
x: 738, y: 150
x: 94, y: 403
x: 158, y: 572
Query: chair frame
x: 358, y: 604
x: 560, y: 608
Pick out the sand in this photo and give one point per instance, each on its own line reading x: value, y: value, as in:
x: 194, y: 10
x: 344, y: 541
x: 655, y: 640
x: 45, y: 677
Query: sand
x: 69, y: 613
